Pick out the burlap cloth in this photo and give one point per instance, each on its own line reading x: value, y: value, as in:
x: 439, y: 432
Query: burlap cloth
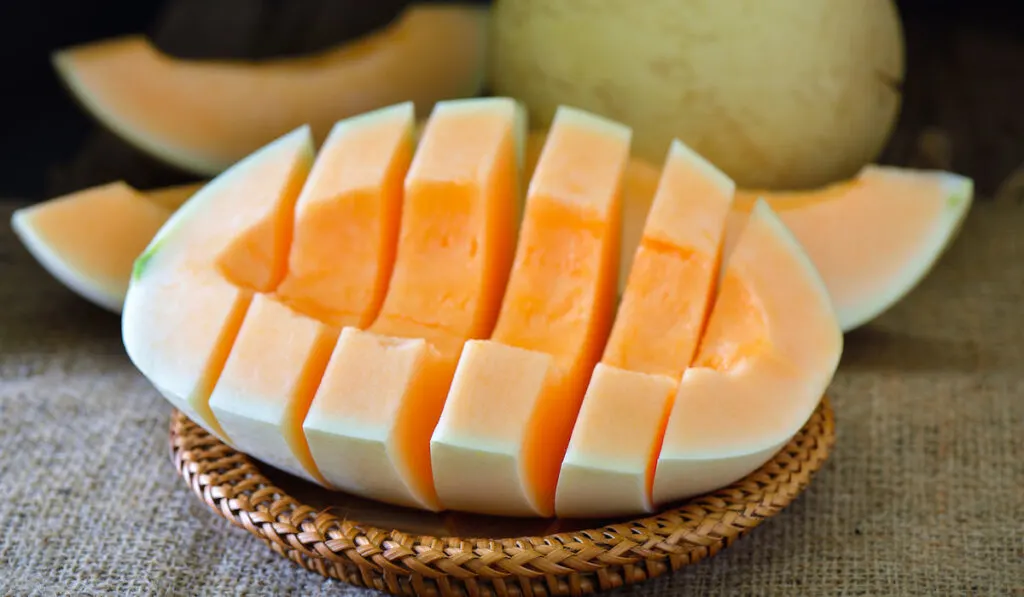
x: 924, y: 493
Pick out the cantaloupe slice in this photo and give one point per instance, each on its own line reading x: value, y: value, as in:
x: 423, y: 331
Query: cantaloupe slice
x: 191, y: 287
x: 89, y: 240
x: 343, y: 246
x: 203, y: 115
x: 770, y: 350
x: 458, y: 209
x: 617, y: 435
x: 514, y: 398
x: 346, y: 221
x: 874, y: 237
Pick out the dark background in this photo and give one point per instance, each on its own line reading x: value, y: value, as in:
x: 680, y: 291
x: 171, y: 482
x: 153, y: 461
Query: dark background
x: 963, y: 98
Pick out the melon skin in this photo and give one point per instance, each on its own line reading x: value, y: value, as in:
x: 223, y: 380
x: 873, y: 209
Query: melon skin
x: 181, y: 314
x: 203, y: 115
x: 781, y: 94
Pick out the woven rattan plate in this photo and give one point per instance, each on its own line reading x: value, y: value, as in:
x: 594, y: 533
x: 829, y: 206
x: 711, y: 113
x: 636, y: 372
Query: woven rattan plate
x: 408, y: 552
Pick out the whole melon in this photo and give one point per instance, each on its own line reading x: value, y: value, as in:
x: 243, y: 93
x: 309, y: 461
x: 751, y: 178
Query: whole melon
x: 778, y: 94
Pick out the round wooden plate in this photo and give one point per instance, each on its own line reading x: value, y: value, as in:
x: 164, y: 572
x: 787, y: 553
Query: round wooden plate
x: 409, y: 552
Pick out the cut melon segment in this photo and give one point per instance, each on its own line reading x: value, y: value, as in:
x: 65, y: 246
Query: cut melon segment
x: 373, y: 415
x: 770, y: 350
x: 89, y: 240
x: 180, y: 314
x: 874, y: 237
x: 639, y: 184
x: 671, y: 285
x: 204, y: 115
x: 559, y: 303
x: 268, y: 382
x: 458, y: 206
x: 347, y: 217
x: 608, y: 469
x: 458, y: 209
x: 654, y: 338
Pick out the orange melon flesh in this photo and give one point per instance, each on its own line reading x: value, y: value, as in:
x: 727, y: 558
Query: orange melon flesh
x: 873, y: 238
x: 183, y: 308
x: 639, y: 184
x: 616, y: 438
x: 346, y: 221
x: 553, y: 324
x: 89, y: 240
x: 458, y: 209
x: 268, y: 382
x: 770, y: 350
x: 204, y: 115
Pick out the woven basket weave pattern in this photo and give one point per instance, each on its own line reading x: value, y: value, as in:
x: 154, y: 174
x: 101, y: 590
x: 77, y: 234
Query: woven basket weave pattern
x: 569, y: 563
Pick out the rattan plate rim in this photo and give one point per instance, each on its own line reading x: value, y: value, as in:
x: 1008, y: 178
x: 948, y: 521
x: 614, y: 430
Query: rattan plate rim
x: 570, y: 563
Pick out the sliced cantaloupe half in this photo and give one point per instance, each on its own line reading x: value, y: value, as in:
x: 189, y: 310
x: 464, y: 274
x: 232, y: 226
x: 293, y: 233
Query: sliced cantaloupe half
x: 770, y: 349
x: 458, y: 209
x: 343, y: 245
x: 464, y: 389
x: 203, y: 115
x: 191, y: 287
x: 873, y: 238
x: 615, y: 442
x: 89, y: 240
x: 504, y: 428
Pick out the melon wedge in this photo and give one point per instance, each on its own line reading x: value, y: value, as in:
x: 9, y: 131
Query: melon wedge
x: 343, y: 245
x: 191, y: 287
x: 346, y: 220
x: 770, y: 349
x: 89, y: 240
x: 615, y: 442
x: 458, y: 209
x: 874, y: 237
x: 639, y: 183
x: 203, y: 115
x: 502, y: 434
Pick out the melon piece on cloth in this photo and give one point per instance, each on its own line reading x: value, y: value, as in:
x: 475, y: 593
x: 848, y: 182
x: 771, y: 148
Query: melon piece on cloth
x: 771, y: 347
x: 204, y: 115
x: 89, y: 240
x: 608, y: 468
x: 454, y: 252
x: 873, y: 238
x: 502, y: 435
x: 191, y: 287
x: 343, y: 245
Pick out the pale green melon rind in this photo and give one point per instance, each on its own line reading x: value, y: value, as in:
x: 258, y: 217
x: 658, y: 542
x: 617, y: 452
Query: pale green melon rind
x: 183, y: 214
x: 956, y: 197
x: 162, y: 250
